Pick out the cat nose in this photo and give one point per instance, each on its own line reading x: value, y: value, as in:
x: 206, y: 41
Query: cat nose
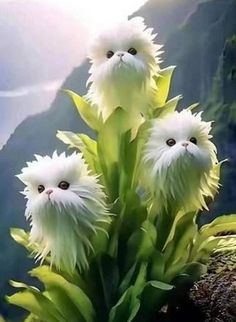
x: 185, y: 144
x: 49, y: 191
x: 120, y: 54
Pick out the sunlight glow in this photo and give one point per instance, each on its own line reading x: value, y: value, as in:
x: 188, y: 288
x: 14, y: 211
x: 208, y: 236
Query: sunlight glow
x: 97, y: 15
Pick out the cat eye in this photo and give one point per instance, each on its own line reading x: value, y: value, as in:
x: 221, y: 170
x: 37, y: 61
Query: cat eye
x: 193, y: 140
x: 109, y: 54
x: 132, y: 51
x: 64, y: 185
x: 41, y: 188
x: 171, y: 142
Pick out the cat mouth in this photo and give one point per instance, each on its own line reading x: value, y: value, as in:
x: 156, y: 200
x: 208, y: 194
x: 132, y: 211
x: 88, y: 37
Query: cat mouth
x: 121, y: 62
x: 49, y: 199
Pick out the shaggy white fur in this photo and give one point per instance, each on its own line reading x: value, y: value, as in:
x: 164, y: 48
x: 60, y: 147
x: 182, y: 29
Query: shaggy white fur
x: 124, y: 60
x: 64, y: 205
x: 179, y: 157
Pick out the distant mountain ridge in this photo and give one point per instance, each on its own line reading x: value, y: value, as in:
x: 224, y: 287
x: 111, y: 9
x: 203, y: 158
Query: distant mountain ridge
x: 195, y: 48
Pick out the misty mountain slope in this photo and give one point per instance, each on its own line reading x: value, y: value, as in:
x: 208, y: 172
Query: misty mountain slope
x: 196, y: 46
x: 221, y: 107
x: 165, y: 16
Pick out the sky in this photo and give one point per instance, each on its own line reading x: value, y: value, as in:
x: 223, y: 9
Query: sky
x: 41, y: 42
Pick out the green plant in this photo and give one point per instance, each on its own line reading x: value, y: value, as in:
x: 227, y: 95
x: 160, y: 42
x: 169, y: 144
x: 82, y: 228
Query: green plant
x: 149, y: 255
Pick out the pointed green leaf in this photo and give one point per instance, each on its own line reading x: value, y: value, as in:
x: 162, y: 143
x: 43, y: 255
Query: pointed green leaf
x: 161, y: 286
x: 123, y: 310
x: 86, y: 111
x: 109, y: 275
x: 127, y: 279
x: 157, y: 265
x: 212, y: 244
x: 128, y: 305
x: 54, y: 281
x: 23, y: 285
x: 141, y: 244
x: 153, y: 297
x: 225, y: 223
x: 33, y: 318
x: 85, y: 144
x: 38, y: 304
x: 195, y: 270
x: 109, y: 139
x: 169, y: 107
x: 20, y: 236
x: 163, y: 81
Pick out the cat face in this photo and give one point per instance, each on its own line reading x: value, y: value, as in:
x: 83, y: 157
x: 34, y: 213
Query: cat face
x: 126, y: 52
x: 64, y: 205
x: 179, y: 157
x: 54, y: 181
x: 183, y: 138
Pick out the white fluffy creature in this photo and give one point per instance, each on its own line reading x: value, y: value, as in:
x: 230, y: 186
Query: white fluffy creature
x: 179, y: 157
x: 65, y: 204
x: 124, y: 60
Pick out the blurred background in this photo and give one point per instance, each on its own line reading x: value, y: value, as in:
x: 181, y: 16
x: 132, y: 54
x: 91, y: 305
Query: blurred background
x: 43, y: 49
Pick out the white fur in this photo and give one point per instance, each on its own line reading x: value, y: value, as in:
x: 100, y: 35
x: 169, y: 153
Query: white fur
x: 63, y: 223
x: 128, y: 83
x: 181, y: 175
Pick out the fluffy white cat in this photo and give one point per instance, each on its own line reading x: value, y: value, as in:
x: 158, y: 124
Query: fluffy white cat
x: 124, y: 60
x: 65, y: 204
x: 179, y: 157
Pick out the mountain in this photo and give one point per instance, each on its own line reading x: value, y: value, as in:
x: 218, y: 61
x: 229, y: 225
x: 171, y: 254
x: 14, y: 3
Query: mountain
x: 221, y: 106
x: 166, y: 16
x: 196, y: 46
x: 202, y: 48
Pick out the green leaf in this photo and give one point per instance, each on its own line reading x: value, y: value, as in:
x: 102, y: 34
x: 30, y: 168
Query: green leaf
x: 128, y: 305
x: 23, y: 285
x: 178, y: 243
x: 141, y: 244
x: 83, y: 143
x: 127, y: 279
x: 109, y: 140
x: 224, y: 223
x: 169, y: 107
x: 55, y: 282
x: 128, y: 160
x: 163, y: 81
x: 195, y: 270
x: 124, y: 310
x: 153, y: 297
x: 109, y: 275
x: 213, y: 244
x: 38, y: 304
x: 33, y: 318
x: 86, y: 111
x: 157, y: 265
x: 20, y: 236
x: 160, y: 285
